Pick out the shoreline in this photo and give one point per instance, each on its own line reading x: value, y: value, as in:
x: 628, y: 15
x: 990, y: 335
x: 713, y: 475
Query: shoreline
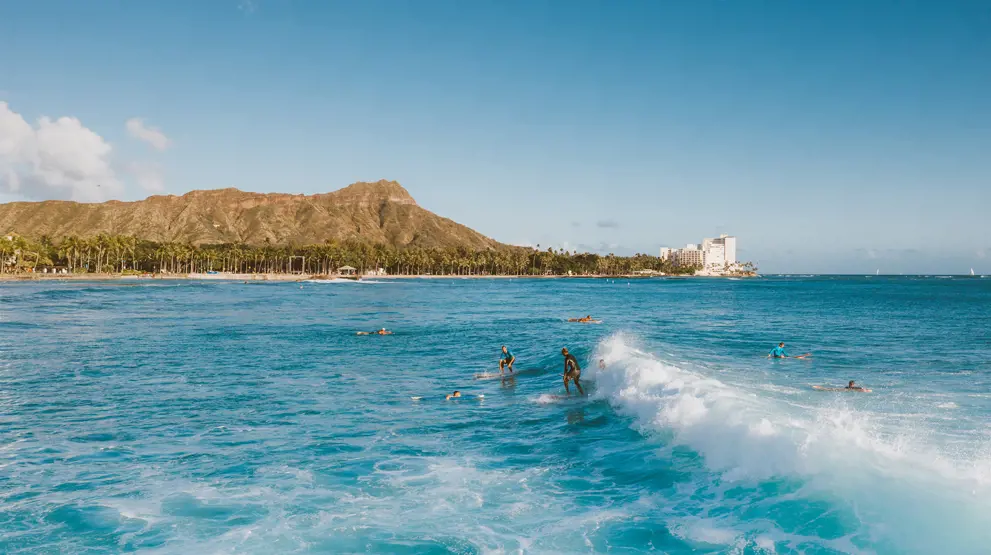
x: 32, y: 277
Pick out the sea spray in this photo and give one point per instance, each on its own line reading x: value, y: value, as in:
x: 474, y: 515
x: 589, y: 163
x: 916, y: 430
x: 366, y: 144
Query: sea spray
x: 906, y: 496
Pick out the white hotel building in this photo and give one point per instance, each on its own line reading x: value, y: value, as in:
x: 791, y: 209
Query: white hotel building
x: 714, y: 255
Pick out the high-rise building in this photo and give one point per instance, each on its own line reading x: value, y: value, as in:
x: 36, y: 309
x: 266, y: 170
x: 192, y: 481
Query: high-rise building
x: 714, y: 255
x: 690, y: 257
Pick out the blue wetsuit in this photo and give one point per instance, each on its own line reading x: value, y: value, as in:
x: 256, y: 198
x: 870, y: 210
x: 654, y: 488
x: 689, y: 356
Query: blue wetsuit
x: 508, y: 355
x: 779, y: 352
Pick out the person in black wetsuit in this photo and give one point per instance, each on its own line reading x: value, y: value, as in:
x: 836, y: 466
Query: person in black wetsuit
x: 572, y: 371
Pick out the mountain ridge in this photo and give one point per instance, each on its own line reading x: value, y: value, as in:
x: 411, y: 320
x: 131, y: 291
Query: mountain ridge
x: 375, y: 212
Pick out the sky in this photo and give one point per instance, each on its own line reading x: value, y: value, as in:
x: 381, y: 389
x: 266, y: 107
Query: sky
x: 829, y: 137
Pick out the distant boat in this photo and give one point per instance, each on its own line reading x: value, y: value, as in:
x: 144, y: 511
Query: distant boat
x: 878, y: 272
x: 971, y: 271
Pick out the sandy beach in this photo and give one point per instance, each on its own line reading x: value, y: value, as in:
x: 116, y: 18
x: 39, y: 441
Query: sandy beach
x: 291, y: 277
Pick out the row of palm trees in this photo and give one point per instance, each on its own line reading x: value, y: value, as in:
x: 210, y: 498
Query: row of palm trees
x: 126, y: 254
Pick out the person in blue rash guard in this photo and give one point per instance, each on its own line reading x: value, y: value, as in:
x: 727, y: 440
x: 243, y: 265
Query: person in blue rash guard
x: 779, y: 352
x: 507, y: 360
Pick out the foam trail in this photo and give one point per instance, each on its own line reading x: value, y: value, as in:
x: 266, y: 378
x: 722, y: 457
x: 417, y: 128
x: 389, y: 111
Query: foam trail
x: 905, y: 494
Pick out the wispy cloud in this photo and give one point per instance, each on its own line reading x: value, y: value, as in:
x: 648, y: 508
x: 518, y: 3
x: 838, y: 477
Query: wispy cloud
x: 54, y: 159
x: 607, y: 224
x: 248, y: 6
x: 151, y: 135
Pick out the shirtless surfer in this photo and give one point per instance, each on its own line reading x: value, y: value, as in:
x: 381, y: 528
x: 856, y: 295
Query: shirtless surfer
x: 572, y: 371
x: 583, y: 320
x: 852, y: 386
x: 382, y: 331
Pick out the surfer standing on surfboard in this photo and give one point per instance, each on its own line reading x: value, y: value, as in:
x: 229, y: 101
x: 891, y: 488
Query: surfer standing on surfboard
x: 571, y: 371
x: 507, y: 360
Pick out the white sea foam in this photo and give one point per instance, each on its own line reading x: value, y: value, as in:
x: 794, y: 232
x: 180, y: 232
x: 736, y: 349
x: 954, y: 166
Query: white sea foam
x: 904, y: 490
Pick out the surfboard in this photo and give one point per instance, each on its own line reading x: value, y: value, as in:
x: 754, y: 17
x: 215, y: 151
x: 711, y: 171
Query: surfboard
x: 490, y: 376
x: 467, y: 397
x: 824, y: 388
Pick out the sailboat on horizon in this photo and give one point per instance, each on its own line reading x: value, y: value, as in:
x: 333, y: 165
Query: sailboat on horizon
x: 971, y: 271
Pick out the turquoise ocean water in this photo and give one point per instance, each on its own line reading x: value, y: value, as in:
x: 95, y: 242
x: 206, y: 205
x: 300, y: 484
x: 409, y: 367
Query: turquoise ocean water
x: 200, y: 417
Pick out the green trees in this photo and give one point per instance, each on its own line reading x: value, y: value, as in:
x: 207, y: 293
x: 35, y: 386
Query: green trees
x: 121, y: 253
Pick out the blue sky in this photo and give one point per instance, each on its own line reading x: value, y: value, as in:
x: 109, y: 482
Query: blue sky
x: 829, y: 137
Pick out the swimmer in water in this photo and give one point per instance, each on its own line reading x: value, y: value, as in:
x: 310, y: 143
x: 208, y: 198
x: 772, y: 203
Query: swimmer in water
x: 454, y: 395
x: 572, y: 371
x: 602, y: 364
x: 507, y: 360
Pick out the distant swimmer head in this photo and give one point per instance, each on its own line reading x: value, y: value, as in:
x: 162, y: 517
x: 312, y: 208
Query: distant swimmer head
x: 851, y: 384
x: 452, y: 395
x: 458, y: 393
x: 602, y: 364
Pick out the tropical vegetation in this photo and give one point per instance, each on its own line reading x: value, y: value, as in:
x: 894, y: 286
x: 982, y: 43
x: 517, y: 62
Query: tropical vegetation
x: 127, y: 254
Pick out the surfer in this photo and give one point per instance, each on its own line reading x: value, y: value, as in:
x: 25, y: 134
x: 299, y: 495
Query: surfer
x: 454, y: 395
x: 507, y: 360
x: 584, y: 320
x: 382, y: 331
x: 572, y: 371
x: 779, y: 352
x: 602, y: 364
x: 852, y: 386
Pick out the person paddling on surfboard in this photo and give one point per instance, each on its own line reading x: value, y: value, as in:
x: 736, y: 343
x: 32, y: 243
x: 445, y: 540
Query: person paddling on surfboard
x: 852, y: 386
x: 507, y: 360
x: 382, y: 331
x: 779, y: 352
x: 454, y: 395
x: 572, y: 371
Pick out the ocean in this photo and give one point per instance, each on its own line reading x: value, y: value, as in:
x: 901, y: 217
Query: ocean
x: 205, y: 417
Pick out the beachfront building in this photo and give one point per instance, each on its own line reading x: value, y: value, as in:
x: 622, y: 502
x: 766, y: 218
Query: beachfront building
x: 346, y: 271
x: 714, y: 256
x: 691, y: 255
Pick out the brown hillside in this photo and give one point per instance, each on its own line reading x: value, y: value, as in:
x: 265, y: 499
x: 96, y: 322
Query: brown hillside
x: 381, y: 212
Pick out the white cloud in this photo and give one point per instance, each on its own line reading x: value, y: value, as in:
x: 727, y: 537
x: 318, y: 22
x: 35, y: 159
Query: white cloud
x: 248, y: 6
x: 151, y: 135
x: 58, y: 159
x: 148, y: 175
